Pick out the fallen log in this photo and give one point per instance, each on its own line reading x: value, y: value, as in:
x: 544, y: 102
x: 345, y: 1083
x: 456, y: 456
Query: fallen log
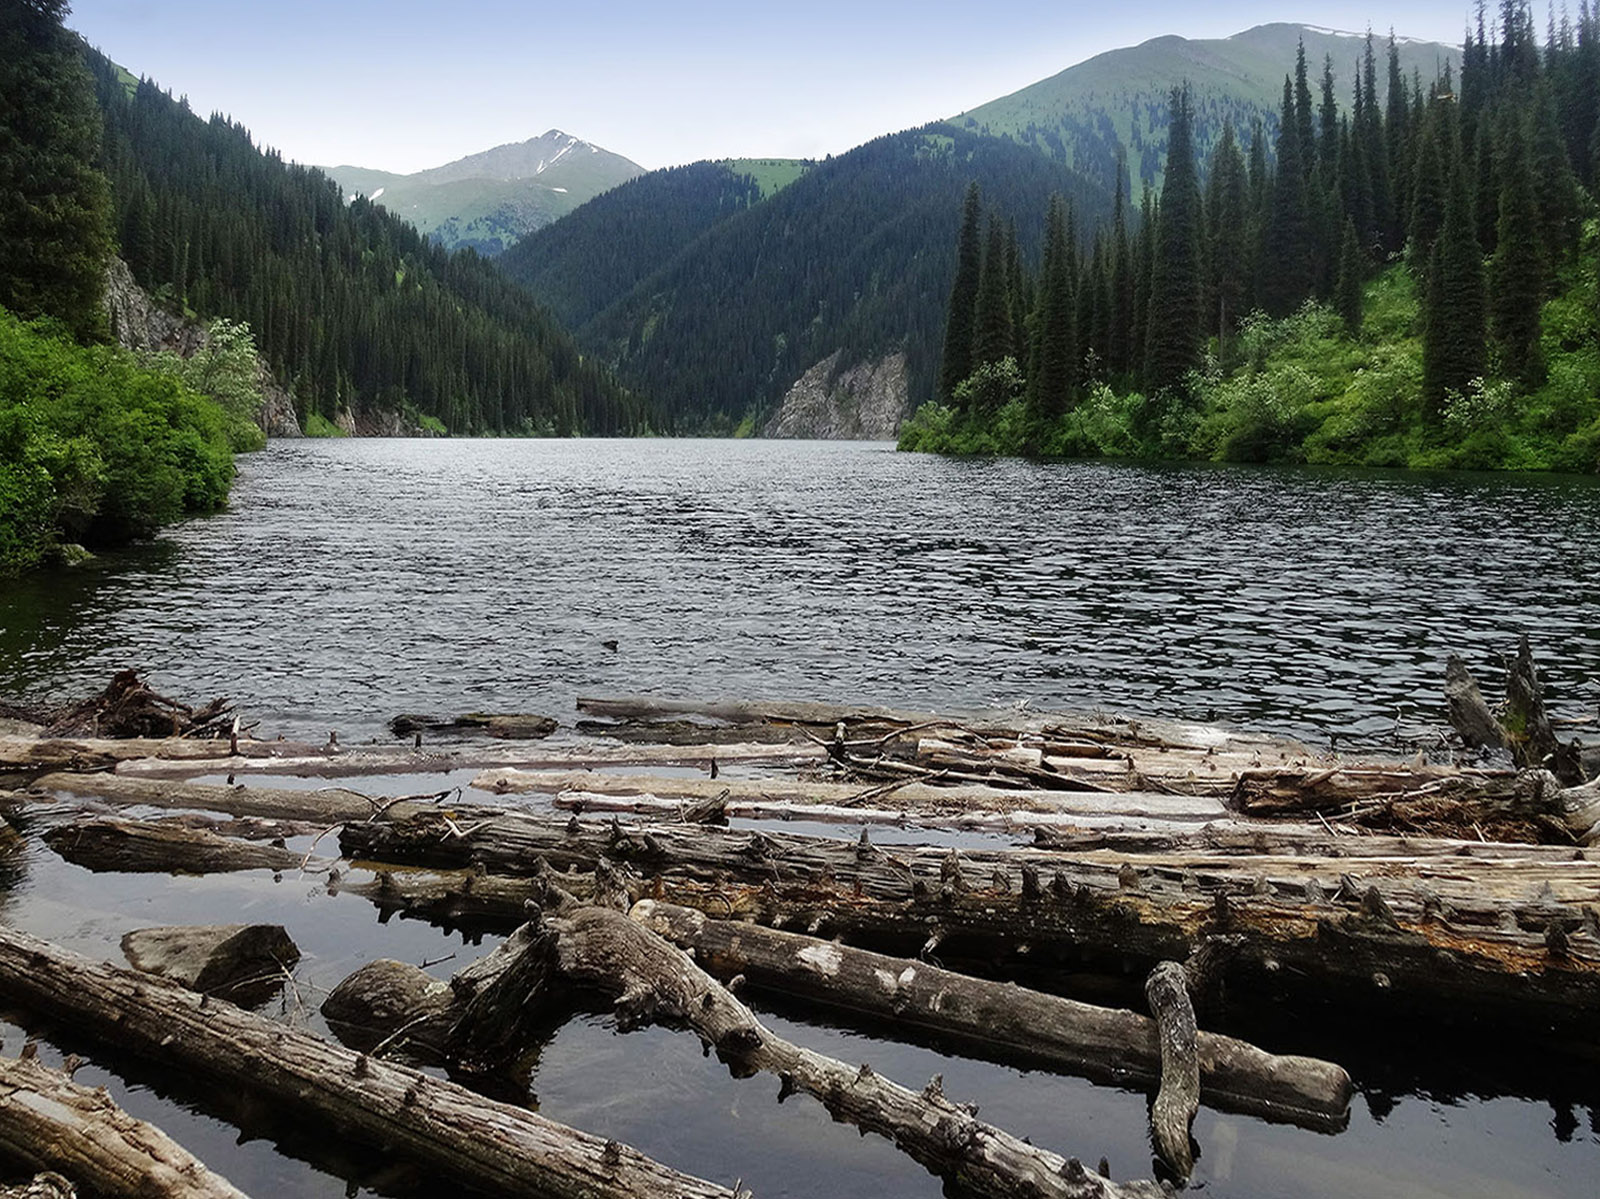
x: 652, y: 981
x: 912, y: 795
x: 475, y: 1142
x: 324, y: 806
x: 1496, y: 937
x: 48, y: 1122
x: 1176, y: 1103
x: 1104, y: 1043
x: 131, y: 708
x: 507, y: 726
x: 141, y: 846
x: 46, y: 1185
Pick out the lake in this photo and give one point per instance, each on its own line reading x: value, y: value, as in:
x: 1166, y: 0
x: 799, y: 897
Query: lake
x: 353, y: 580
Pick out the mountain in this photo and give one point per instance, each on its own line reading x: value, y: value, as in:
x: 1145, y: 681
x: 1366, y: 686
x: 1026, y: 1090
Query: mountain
x: 1119, y: 99
x: 715, y: 301
x: 350, y: 305
x: 490, y: 199
x: 713, y: 297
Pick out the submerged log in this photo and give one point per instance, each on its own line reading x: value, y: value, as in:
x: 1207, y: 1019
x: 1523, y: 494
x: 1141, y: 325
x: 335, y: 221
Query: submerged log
x: 1103, y: 1043
x: 1172, y: 1114
x: 508, y: 726
x: 651, y: 980
x: 48, y: 1122
x: 238, y: 962
x: 473, y: 1141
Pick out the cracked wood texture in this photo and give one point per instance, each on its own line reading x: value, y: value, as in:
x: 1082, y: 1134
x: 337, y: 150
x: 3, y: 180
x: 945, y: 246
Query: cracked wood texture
x: 490, y: 1146
x: 49, y: 1122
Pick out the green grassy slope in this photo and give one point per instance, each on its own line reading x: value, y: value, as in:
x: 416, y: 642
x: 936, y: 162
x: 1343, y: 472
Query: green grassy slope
x: 1080, y: 115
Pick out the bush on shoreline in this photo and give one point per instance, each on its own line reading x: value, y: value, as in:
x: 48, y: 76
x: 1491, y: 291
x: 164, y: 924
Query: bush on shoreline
x: 96, y: 449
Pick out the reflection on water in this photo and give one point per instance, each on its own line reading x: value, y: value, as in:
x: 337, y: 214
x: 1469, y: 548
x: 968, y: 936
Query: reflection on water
x: 355, y: 579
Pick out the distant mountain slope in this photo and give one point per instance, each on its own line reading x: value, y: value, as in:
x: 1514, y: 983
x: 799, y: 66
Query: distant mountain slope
x: 592, y: 258
x: 349, y: 304
x: 1081, y: 115
x: 491, y: 199
x: 713, y: 304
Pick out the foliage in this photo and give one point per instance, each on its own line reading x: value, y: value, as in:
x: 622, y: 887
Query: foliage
x: 318, y: 425
x: 349, y: 304
x: 55, y: 231
x: 226, y: 369
x: 95, y: 448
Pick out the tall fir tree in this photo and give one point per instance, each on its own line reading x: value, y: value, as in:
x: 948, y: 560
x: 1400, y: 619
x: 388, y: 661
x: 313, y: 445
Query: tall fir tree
x: 1287, y: 266
x: 1227, y: 239
x: 1119, y: 331
x: 1517, y: 271
x: 1428, y: 186
x: 957, y: 362
x: 1352, y: 276
x: 1052, y: 369
x: 1303, y: 117
x: 1173, y: 338
x: 55, y: 205
x: 1485, y: 188
x: 1454, y: 306
x: 1369, y: 128
x: 1328, y: 122
x: 992, y: 334
x: 1397, y: 143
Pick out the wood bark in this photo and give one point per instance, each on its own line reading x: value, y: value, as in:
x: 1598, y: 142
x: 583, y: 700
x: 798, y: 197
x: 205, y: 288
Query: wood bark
x: 49, y: 1122
x: 475, y: 1142
x: 1104, y: 1043
x: 137, y: 846
x: 1172, y: 1114
x: 1491, y: 936
x: 652, y: 981
x: 508, y: 726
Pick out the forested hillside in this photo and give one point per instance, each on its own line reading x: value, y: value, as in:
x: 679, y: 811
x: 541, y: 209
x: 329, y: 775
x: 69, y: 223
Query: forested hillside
x: 1399, y: 284
x: 351, y: 306
x: 742, y: 298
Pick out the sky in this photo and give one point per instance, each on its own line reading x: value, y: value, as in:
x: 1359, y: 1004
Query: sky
x: 401, y: 86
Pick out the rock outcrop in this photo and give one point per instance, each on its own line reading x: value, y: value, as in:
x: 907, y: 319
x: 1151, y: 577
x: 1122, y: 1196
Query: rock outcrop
x: 139, y: 323
x: 865, y: 402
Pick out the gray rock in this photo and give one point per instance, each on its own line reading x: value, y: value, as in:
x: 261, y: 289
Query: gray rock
x: 865, y: 402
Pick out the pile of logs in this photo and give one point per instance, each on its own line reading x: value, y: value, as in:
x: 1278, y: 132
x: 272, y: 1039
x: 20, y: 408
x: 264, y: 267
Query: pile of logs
x: 1210, y: 865
x: 128, y: 707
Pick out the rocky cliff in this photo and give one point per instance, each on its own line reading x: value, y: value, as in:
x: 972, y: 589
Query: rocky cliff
x: 865, y: 402
x: 139, y: 323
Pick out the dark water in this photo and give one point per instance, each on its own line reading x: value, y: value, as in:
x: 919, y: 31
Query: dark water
x: 355, y: 579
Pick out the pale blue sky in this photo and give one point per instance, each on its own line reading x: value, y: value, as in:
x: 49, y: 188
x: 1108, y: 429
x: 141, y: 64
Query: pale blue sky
x: 402, y: 85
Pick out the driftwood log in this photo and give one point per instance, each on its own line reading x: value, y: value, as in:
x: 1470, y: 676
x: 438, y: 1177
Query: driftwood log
x: 49, y: 1122
x: 1506, y: 937
x: 1172, y: 1114
x: 1105, y: 1043
x: 1523, y: 726
x: 44, y: 1185
x: 508, y: 726
x: 140, y: 846
x: 651, y: 981
x: 244, y: 963
x: 495, y: 1147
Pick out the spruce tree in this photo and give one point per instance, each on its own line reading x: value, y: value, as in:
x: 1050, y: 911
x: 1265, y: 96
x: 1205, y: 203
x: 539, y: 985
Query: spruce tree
x: 1051, y: 374
x: 1453, y: 308
x: 1373, y: 150
x: 1352, y: 275
x: 957, y: 360
x: 1287, y: 267
x: 1485, y: 188
x: 1560, y: 209
x: 1144, y: 250
x: 1427, y: 189
x: 1328, y: 119
x: 992, y: 335
x: 1397, y: 141
x: 1516, y: 273
x: 1172, y: 340
x: 1227, y: 238
x: 1119, y: 331
x: 1302, y: 111
x: 55, y: 206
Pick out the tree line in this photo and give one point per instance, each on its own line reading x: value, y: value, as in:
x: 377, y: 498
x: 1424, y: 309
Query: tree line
x: 1475, y: 191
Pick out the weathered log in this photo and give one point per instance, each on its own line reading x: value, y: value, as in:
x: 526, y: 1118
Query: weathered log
x: 1469, y: 714
x: 243, y: 963
x: 1472, y: 934
x: 141, y: 846
x: 1527, y: 727
x: 131, y: 708
x: 651, y: 980
x: 916, y: 794
x: 476, y: 1142
x: 324, y: 806
x: 1176, y: 1103
x: 508, y: 726
x: 45, y: 1185
x: 48, y: 1122
x: 1104, y: 1043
